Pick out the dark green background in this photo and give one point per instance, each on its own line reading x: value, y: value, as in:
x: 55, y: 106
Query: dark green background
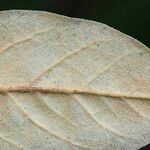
x: 130, y: 16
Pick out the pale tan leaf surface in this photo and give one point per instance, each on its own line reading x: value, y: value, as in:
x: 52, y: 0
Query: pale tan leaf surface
x: 71, y: 84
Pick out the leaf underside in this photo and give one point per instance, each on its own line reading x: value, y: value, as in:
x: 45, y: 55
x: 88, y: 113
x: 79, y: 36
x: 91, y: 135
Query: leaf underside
x: 71, y: 84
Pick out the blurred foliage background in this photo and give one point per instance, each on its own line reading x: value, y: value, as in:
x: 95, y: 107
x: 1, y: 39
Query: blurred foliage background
x: 129, y: 16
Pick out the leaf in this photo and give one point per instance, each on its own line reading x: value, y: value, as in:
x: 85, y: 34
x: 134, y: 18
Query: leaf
x: 71, y: 84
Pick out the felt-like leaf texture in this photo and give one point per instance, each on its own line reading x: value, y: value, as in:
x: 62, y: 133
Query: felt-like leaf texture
x: 70, y: 83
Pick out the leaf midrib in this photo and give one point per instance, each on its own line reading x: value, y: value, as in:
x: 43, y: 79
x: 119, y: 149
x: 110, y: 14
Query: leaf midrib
x: 69, y: 91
